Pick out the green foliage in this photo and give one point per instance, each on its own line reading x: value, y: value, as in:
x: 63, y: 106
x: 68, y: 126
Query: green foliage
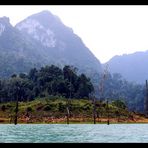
x: 119, y: 104
x: 48, y: 108
x: 48, y: 81
x: 116, y: 87
x: 62, y: 107
x: 56, y: 108
x: 87, y: 107
x: 54, y: 82
x: 29, y: 109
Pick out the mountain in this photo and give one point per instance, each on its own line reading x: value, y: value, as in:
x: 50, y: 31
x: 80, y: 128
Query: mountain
x: 132, y: 67
x: 59, y: 42
x: 18, y: 52
x: 42, y: 39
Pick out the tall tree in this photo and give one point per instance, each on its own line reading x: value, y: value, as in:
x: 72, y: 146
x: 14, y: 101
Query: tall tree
x: 101, y: 89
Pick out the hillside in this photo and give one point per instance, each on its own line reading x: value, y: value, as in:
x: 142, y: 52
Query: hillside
x: 53, y: 110
x: 18, y: 52
x: 39, y: 40
x: 133, y: 67
x: 61, y: 44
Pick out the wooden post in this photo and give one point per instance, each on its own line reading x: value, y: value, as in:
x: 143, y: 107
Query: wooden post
x: 16, y: 109
x: 67, y: 109
x: 94, y: 110
x: 16, y: 113
x: 146, y: 101
x: 107, y: 113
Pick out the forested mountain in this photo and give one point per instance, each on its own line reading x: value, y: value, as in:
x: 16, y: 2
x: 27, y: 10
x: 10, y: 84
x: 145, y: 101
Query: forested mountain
x: 17, y: 52
x: 42, y: 39
x: 61, y: 45
x: 133, y: 67
x: 39, y: 40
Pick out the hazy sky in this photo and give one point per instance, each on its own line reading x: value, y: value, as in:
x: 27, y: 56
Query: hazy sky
x: 105, y: 30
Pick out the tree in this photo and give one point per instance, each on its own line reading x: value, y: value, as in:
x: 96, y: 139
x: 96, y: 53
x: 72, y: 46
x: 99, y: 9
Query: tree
x: 101, y: 89
x: 119, y: 103
x: 85, y: 87
x: 68, y: 73
x: 33, y: 74
x: 17, y: 100
x: 48, y: 80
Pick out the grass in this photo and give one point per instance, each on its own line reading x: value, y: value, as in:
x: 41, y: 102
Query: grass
x: 53, y: 110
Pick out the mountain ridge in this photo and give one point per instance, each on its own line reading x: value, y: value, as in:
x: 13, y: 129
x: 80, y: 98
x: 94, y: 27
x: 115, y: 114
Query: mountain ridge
x: 131, y: 66
x: 42, y: 39
x: 64, y: 40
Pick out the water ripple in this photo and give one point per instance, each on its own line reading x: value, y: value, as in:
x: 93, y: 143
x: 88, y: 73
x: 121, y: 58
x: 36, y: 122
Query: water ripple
x: 75, y: 133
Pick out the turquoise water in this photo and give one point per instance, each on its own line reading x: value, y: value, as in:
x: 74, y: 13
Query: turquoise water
x: 75, y: 133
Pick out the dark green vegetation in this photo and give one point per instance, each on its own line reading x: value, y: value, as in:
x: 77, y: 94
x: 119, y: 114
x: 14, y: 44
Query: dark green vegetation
x: 47, y: 81
x: 54, y: 81
x: 116, y: 87
x: 42, y: 39
x: 53, y: 109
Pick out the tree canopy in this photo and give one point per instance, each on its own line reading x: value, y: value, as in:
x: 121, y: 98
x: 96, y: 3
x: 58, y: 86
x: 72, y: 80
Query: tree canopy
x: 46, y: 81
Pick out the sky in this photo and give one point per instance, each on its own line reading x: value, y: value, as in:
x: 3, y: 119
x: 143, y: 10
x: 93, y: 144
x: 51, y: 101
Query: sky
x: 106, y: 30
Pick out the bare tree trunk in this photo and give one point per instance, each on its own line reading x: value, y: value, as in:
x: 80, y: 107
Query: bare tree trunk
x: 68, y: 100
x: 146, y: 101
x: 94, y: 110
x: 16, y: 112
x: 16, y: 109
x: 101, y: 89
x: 107, y: 113
x: 67, y: 108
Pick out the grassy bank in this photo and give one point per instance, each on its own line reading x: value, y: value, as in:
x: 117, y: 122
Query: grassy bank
x: 53, y: 110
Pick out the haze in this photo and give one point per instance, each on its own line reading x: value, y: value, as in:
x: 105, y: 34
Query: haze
x: 106, y: 30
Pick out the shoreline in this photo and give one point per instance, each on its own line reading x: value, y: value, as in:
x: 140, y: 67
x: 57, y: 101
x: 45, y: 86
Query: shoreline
x: 76, y: 121
x: 47, y: 111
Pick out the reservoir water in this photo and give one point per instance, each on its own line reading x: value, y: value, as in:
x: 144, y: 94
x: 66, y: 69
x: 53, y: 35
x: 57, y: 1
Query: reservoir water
x: 73, y: 133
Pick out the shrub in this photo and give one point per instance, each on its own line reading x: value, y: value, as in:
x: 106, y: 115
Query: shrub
x: 3, y: 108
x: 119, y: 104
x: 87, y: 107
x: 39, y: 107
x: 62, y: 107
x: 47, y: 108
x: 29, y: 109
